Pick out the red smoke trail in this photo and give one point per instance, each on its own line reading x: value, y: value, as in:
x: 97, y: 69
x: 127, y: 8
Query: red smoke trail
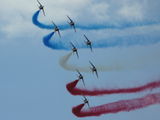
x: 71, y: 87
x: 119, y: 106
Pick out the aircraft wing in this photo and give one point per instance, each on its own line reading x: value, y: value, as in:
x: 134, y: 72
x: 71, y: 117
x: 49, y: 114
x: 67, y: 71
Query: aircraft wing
x: 59, y: 33
x: 91, y: 64
x: 74, y: 28
x: 54, y: 24
x: 43, y: 12
x: 83, y: 82
x: 84, y: 97
x: 70, y: 19
x: 77, y: 54
x: 39, y: 3
x: 96, y: 73
x: 86, y: 37
x: 88, y: 104
x: 72, y: 44
x: 91, y: 47
x: 78, y: 71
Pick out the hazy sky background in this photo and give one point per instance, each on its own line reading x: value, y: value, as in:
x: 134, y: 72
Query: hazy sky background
x: 32, y: 83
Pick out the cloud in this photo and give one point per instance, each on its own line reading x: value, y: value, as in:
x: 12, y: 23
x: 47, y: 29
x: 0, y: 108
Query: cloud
x: 16, y: 18
x: 132, y: 11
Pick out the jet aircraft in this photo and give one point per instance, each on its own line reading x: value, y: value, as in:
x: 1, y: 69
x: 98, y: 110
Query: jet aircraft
x: 94, y: 69
x: 85, y: 100
x: 71, y: 23
x: 80, y: 77
x: 88, y: 42
x: 74, y: 49
x: 56, y: 29
x: 41, y: 7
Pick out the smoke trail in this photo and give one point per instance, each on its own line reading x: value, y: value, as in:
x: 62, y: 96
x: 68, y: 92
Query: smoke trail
x: 46, y: 40
x: 119, y: 106
x: 44, y: 26
x: 122, y: 25
x: 63, y: 62
x: 144, y: 60
x: 115, y: 41
x: 39, y: 24
x: 71, y: 87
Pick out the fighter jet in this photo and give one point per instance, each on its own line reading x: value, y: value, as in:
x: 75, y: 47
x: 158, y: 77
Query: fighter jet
x: 80, y: 77
x: 93, y: 68
x: 56, y: 29
x: 71, y: 23
x: 74, y: 49
x: 86, y: 101
x: 88, y: 42
x: 41, y: 7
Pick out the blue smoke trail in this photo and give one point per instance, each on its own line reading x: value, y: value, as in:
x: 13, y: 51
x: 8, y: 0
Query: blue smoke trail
x: 124, y: 41
x: 43, y: 26
x: 92, y: 27
x: 46, y: 40
x: 37, y: 23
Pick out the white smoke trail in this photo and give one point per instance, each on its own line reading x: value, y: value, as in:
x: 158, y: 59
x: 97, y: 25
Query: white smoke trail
x: 64, y: 63
x: 136, y: 59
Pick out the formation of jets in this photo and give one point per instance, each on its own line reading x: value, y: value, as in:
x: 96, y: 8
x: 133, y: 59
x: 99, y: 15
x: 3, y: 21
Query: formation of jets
x: 80, y: 77
x: 72, y: 24
x: 88, y: 43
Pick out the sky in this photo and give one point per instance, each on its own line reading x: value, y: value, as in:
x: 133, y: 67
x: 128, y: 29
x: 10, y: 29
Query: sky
x: 33, y: 83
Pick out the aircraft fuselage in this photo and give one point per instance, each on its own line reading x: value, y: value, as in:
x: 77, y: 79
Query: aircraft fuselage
x: 74, y: 50
x: 56, y: 29
x: 88, y: 43
x: 94, y: 69
x: 40, y: 7
x: 80, y: 77
x: 71, y: 23
x: 85, y: 101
